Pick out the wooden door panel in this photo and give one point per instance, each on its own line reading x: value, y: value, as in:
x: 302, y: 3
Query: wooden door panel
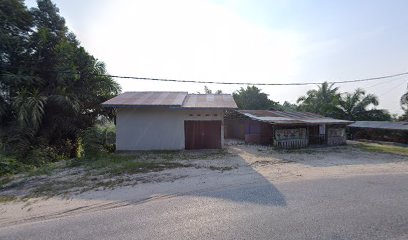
x: 202, y: 134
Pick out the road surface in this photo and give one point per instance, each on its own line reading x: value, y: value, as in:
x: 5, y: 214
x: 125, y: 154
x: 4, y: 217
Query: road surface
x: 363, y: 207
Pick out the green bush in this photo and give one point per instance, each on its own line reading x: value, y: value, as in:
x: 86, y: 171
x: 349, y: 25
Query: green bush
x: 98, y: 140
x: 9, y: 165
x: 42, y: 155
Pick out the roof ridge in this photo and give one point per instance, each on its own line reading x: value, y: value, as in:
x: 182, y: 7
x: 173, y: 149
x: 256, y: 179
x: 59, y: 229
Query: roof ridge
x: 209, y: 94
x: 155, y: 92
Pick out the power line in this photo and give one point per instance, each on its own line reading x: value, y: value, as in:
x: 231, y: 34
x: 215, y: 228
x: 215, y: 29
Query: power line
x: 385, y: 82
x: 259, y: 84
x: 390, y: 89
x: 238, y: 83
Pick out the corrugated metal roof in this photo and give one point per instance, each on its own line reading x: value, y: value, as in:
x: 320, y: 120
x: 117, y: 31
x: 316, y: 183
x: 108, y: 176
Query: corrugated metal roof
x: 381, y: 125
x: 280, y: 117
x: 209, y: 101
x: 129, y: 99
x: 171, y: 99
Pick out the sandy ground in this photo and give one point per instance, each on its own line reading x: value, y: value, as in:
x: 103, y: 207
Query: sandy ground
x: 244, y: 164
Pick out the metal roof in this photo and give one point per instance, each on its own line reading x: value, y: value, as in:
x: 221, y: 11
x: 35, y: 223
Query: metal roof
x: 381, y: 125
x: 129, y: 99
x: 209, y: 101
x: 171, y: 99
x: 280, y: 117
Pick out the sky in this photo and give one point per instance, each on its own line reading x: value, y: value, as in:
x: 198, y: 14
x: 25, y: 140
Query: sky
x: 258, y: 41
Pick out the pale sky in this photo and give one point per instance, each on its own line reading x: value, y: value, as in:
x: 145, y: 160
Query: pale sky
x: 262, y: 41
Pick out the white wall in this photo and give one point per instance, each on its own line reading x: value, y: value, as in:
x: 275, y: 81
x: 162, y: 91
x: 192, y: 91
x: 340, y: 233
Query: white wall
x: 159, y: 128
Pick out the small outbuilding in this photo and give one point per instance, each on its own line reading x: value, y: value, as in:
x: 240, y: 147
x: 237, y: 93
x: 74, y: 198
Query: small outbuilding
x: 284, y: 129
x: 379, y: 131
x: 169, y: 120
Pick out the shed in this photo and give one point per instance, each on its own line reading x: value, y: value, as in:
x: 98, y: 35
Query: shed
x: 169, y: 120
x: 380, y: 130
x: 284, y: 129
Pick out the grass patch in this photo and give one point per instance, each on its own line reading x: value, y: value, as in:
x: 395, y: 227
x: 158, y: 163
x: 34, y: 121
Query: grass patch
x: 107, y: 170
x: 131, y: 167
x: 222, y: 169
x: 379, y: 148
x: 5, y: 180
x: 46, y: 169
x: 142, y: 162
x: 306, y: 150
x: 7, y: 198
x: 118, y: 164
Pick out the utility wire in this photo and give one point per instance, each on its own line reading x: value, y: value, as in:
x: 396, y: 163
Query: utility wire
x: 240, y: 83
x: 259, y: 84
x: 385, y: 82
x: 391, y: 89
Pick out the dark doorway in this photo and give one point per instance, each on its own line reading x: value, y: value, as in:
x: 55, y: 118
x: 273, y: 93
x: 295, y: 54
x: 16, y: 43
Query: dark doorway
x: 315, y: 138
x: 202, y: 134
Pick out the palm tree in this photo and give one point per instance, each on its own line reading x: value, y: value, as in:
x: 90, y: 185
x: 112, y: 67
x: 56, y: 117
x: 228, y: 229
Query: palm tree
x: 355, y: 106
x: 323, y: 100
x: 29, y: 107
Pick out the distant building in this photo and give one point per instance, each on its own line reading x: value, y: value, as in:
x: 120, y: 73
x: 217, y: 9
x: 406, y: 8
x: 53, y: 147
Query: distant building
x: 169, y: 120
x: 284, y: 129
x: 380, y: 131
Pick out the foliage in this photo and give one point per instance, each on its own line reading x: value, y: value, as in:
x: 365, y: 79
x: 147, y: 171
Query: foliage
x: 323, y: 100
x: 383, y: 148
x: 404, y: 100
x: 98, y: 140
x: 404, y: 117
x: 289, y: 107
x: 354, y: 106
x: 50, y: 87
x: 252, y: 98
x: 209, y: 91
x: 404, y: 105
x: 328, y: 101
x: 9, y: 165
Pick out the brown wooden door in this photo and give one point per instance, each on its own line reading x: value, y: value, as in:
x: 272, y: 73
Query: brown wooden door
x: 202, y: 134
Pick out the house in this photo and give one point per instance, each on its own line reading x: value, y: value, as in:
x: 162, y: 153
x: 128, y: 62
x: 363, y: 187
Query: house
x: 169, y: 120
x: 284, y: 129
x: 380, y: 130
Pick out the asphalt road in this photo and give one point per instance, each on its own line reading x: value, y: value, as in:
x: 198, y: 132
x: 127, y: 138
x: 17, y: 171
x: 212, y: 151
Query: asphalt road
x: 364, y: 207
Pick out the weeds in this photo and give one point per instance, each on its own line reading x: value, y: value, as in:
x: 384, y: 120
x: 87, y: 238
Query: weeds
x: 105, y: 171
x: 7, y: 198
x: 379, y: 148
x: 222, y: 169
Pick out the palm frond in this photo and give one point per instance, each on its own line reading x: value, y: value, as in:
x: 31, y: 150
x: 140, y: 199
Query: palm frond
x: 29, y: 107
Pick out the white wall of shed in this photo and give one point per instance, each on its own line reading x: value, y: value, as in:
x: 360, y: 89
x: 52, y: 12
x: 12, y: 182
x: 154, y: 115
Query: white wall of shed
x: 158, y: 129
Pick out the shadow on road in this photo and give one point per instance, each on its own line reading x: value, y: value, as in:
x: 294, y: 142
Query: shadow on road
x: 266, y: 194
x: 243, y: 185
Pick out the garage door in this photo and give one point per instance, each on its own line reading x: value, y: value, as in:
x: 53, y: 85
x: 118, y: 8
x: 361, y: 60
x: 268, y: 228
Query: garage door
x: 202, y: 134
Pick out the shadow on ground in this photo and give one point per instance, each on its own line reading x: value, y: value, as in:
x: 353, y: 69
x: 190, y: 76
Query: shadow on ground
x: 242, y: 185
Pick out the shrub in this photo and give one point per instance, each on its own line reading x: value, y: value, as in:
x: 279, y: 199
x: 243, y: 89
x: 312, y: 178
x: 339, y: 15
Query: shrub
x: 9, y: 165
x: 98, y: 140
x: 41, y: 155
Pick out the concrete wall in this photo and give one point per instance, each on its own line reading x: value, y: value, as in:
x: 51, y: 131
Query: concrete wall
x: 158, y: 128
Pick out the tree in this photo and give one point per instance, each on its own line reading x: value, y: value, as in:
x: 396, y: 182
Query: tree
x: 404, y: 106
x: 354, y: 106
x: 51, y: 89
x: 323, y: 100
x: 209, y: 91
x: 289, y: 107
x: 15, y: 25
x: 252, y: 98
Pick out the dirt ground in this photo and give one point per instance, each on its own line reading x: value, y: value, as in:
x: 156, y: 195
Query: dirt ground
x: 239, y: 164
